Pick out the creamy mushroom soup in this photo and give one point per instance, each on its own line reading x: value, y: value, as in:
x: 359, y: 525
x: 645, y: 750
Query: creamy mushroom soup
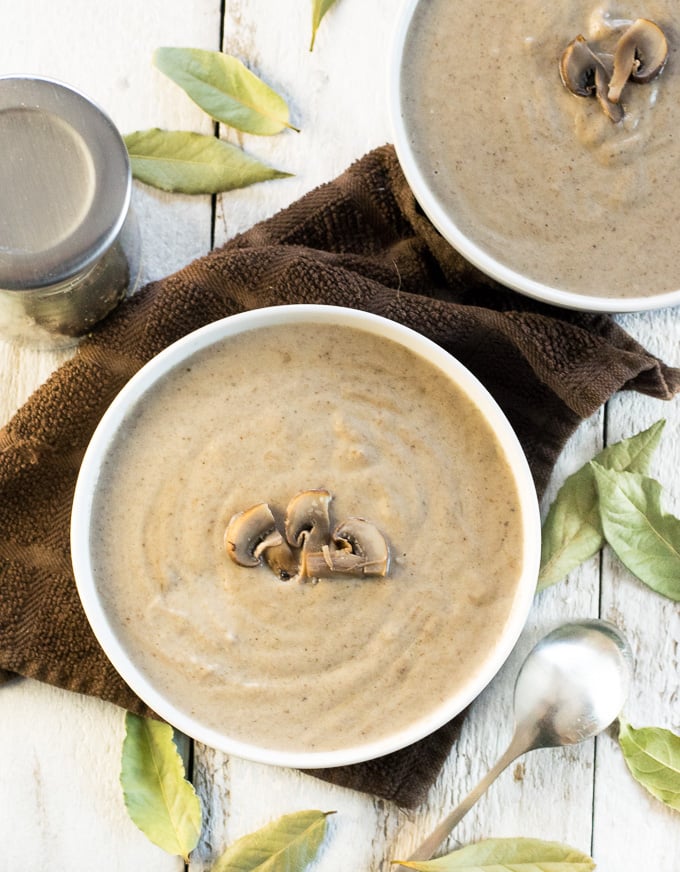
x: 257, y: 418
x: 542, y: 180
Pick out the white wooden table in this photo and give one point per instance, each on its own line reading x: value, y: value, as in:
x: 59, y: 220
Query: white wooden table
x: 60, y: 801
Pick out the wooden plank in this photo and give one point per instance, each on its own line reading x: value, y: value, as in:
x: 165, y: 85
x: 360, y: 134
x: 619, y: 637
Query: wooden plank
x: 62, y: 805
x: 633, y: 830
x: 337, y: 95
x: 60, y: 796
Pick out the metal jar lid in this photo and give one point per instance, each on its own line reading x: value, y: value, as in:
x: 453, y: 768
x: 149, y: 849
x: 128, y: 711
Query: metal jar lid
x: 65, y: 183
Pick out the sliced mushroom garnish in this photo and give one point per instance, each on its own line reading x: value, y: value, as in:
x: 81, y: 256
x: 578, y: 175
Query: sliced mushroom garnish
x: 358, y: 548
x: 585, y: 74
x: 577, y: 67
x: 252, y: 535
x: 308, y: 516
x: 249, y: 533
x: 640, y: 55
x: 367, y: 541
x: 309, y: 550
x: 282, y: 560
x: 308, y: 524
x: 613, y: 111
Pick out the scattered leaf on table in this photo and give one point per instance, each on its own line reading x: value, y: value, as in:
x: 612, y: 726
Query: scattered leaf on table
x: 635, y: 453
x: 653, y: 756
x: 513, y: 855
x: 319, y: 9
x: 191, y: 163
x: 160, y: 801
x: 572, y: 531
x: 288, y: 844
x: 644, y: 537
x: 226, y: 89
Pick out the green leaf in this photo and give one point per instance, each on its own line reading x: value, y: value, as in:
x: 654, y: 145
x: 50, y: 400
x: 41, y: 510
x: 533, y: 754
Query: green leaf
x: 190, y: 163
x: 508, y: 855
x: 226, y: 89
x: 319, y: 9
x: 653, y: 756
x: 572, y: 531
x: 633, y: 454
x: 288, y: 844
x: 644, y: 537
x: 160, y: 801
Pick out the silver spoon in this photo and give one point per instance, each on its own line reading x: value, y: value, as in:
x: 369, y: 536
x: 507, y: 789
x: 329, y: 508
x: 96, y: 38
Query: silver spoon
x: 571, y: 687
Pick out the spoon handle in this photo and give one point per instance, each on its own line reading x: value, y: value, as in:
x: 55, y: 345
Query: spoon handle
x: 522, y: 741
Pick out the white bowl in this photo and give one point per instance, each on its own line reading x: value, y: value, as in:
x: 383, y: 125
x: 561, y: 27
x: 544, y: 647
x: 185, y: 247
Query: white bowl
x: 182, y: 351
x: 443, y: 218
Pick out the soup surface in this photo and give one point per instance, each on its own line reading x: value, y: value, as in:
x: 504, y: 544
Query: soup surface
x: 539, y: 178
x: 258, y: 418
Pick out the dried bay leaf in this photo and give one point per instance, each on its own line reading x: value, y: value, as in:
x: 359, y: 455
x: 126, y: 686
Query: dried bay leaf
x: 191, y: 163
x: 288, y: 844
x: 226, y: 89
x: 158, y: 798
x: 653, y: 756
x: 319, y: 9
x: 508, y: 855
x: 572, y: 530
x: 644, y: 537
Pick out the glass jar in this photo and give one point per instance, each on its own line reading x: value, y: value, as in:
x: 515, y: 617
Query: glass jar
x: 69, y: 243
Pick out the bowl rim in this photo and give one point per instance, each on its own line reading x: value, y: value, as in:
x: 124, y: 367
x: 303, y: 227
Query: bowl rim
x: 448, y: 228
x: 218, y: 331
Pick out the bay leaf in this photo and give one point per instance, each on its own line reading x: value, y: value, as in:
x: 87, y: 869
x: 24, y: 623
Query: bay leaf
x: 158, y: 798
x: 319, y: 9
x: 508, y: 855
x: 644, y: 537
x: 191, y: 163
x: 572, y: 530
x: 653, y: 756
x: 288, y: 844
x: 226, y: 89
x: 633, y: 454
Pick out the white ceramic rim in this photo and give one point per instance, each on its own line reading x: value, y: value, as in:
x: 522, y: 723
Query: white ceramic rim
x: 455, y: 236
x: 202, y: 338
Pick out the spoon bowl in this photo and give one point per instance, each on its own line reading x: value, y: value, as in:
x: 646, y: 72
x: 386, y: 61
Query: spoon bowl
x: 572, y: 686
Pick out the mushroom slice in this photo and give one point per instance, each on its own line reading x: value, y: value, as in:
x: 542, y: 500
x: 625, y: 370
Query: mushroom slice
x: 584, y: 73
x: 249, y: 533
x: 281, y: 559
x: 640, y: 55
x: 359, y: 548
x: 308, y: 518
x: 614, y: 111
x: 577, y: 67
x: 308, y: 524
x: 367, y: 541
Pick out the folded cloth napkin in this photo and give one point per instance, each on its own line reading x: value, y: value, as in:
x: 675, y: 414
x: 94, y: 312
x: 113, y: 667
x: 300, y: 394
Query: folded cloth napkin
x: 359, y: 241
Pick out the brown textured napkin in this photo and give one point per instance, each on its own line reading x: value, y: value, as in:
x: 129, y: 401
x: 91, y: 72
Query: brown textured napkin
x: 359, y: 241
